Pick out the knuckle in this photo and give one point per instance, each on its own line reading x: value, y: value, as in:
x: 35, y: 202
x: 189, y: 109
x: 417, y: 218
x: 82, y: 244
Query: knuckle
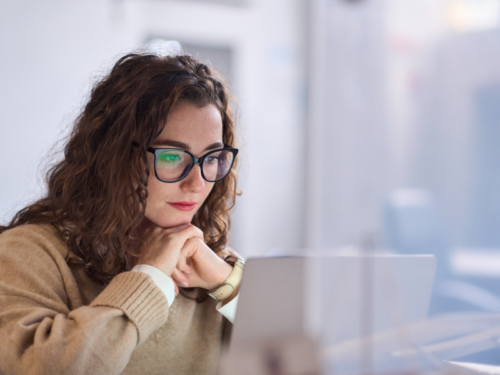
x: 192, y: 240
x: 170, y: 236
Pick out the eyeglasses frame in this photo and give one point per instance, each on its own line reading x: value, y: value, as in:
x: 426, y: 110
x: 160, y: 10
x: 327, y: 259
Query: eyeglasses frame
x: 194, y: 160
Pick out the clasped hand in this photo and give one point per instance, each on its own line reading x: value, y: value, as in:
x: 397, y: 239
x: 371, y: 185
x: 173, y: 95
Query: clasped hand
x: 181, y: 253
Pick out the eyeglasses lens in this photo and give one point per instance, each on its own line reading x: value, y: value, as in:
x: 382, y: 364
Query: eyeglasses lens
x: 217, y: 164
x: 171, y: 165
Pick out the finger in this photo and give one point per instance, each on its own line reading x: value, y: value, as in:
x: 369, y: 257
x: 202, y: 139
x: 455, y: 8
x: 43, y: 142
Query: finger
x: 155, y: 232
x: 182, y: 264
x: 176, y: 289
x: 180, y: 278
x: 189, y: 249
x: 178, y: 239
x: 193, y: 232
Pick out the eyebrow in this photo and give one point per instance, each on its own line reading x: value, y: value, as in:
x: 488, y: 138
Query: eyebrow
x: 185, y: 146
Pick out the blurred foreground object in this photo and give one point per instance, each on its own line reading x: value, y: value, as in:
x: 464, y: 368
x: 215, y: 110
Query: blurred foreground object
x: 423, y: 346
x: 285, y: 356
x: 467, y: 279
x: 465, y: 368
x: 413, y: 225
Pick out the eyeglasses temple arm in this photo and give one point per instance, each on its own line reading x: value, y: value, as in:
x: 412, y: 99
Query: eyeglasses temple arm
x: 149, y: 149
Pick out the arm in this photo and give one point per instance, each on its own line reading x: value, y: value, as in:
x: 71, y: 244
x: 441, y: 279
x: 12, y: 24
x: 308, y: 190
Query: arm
x: 41, y: 333
x: 228, y: 307
x: 166, y: 284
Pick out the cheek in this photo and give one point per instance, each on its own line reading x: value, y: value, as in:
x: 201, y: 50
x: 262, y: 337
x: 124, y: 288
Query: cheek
x: 156, y: 188
x: 164, y: 188
x: 158, y: 191
x: 208, y: 188
x: 152, y: 183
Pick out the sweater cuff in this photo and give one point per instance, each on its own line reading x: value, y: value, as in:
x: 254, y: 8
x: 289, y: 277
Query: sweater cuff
x: 165, y: 283
x: 140, y: 299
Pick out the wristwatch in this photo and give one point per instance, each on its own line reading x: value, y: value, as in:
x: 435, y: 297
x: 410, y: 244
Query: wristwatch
x: 232, y: 282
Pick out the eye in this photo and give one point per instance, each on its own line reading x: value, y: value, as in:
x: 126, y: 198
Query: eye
x: 211, y: 159
x: 169, y: 158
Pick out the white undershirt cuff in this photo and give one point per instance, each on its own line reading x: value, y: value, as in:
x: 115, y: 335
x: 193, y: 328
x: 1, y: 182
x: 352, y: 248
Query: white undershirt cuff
x: 165, y: 283
x: 229, y: 309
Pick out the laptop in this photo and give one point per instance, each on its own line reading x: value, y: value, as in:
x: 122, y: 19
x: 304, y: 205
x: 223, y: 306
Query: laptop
x: 332, y: 299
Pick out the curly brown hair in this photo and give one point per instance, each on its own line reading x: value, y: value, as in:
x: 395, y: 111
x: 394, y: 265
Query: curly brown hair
x: 97, y: 194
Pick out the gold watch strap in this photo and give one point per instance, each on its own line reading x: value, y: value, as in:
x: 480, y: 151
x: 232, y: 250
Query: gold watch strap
x: 232, y: 282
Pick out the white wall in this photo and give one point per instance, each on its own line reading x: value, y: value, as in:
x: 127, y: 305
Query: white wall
x: 52, y: 51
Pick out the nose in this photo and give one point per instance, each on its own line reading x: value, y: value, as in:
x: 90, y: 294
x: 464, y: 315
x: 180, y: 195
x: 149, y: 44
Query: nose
x: 193, y: 182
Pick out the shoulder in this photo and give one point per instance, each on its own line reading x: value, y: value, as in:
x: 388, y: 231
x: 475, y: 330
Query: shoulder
x: 33, y: 269
x: 29, y: 239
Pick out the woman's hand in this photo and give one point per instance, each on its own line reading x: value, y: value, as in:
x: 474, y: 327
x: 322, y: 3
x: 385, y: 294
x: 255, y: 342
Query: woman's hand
x: 163, y: 248
x: 202, y: 266
x: 181, y: 254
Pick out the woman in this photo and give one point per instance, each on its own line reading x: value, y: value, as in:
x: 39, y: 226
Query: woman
x: 138, y: 206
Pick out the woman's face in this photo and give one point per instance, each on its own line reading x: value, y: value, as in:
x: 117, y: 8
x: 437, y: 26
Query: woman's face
x: 197, y: 130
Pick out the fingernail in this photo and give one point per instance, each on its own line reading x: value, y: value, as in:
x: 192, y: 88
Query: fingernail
x: 186, y: 271
x: 184, y: 283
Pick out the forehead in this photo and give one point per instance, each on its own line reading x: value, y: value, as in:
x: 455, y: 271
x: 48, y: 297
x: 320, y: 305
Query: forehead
x: 196, y: 126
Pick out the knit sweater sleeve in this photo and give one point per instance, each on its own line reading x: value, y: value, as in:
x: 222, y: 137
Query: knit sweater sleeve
x: 41, y: 333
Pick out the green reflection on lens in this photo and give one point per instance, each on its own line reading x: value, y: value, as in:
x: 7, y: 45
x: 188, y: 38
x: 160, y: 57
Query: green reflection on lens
x: 169, y: 159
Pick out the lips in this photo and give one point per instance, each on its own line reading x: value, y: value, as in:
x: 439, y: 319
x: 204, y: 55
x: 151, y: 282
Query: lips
x: 183, y: 206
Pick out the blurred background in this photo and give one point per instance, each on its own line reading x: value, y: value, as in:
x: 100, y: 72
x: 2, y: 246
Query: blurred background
x: 358, y: 118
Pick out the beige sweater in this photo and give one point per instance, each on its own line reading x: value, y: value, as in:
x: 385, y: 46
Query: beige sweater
x: 54, y: 320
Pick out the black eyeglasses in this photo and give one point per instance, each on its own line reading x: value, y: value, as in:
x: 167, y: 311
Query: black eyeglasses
x: 172, y: 164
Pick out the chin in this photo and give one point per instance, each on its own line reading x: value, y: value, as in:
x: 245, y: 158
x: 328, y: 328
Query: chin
x: 172, y: 221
